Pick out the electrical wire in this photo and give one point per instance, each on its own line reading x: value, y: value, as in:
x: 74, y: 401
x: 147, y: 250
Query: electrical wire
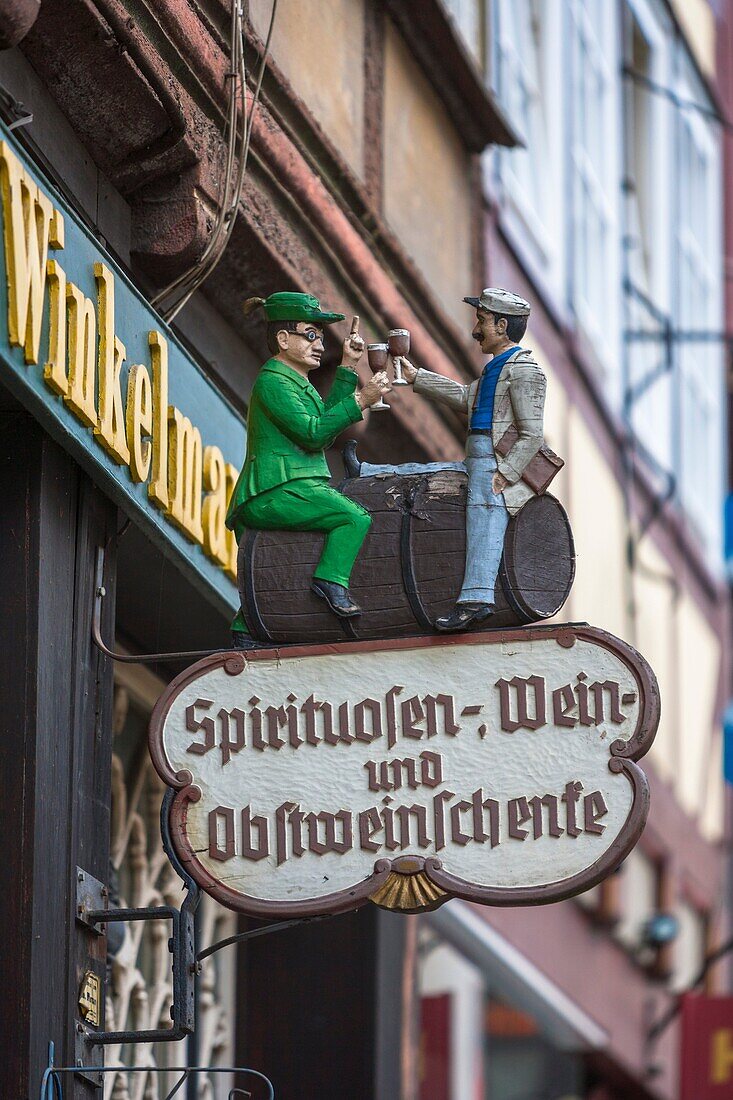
x: 205, y: 268
x: 231, y: 218
x: 236, y: 77
x: 676, y: 100
x: 186, y: 284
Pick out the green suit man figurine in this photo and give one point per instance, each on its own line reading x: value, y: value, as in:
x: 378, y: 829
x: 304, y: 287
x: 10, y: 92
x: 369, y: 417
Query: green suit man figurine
x: 284, y: 481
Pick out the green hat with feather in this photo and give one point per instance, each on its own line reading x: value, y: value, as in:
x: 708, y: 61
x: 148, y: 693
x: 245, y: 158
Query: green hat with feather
x: 289, y: 305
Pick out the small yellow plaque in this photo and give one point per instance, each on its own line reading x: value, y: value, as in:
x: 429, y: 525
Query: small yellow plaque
x: 89, y: 995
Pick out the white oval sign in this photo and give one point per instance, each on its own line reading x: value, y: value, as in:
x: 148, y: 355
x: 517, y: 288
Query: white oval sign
x: 495, y: 767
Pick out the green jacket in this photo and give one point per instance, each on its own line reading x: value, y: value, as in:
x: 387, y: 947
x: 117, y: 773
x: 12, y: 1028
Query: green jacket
x: 288, y: 425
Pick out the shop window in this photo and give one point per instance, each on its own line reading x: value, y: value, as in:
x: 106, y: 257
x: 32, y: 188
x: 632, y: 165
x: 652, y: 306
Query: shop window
x: 140, y: 986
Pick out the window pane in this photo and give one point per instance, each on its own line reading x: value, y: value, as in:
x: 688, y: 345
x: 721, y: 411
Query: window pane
x: 592, y: 168
x: 689, y: 948
x: 699, y: 310
x: 521, y: 27
x: 639, y: 892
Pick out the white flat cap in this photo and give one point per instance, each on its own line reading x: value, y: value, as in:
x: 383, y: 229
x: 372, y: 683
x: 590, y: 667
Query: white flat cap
x: 496, y: 300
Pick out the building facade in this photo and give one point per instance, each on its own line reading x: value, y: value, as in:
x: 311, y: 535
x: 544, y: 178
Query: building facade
x: 401, y: 156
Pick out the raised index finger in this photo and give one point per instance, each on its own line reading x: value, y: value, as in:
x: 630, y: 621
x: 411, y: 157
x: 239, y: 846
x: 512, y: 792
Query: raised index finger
x: 354, y: 326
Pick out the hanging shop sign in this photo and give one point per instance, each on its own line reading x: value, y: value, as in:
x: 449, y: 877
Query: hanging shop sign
x: 500, y: 768
x: 706, y: 1048
x: 90, y: 359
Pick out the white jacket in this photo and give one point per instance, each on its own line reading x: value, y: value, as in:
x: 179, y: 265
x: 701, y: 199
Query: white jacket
x: 519, y: 400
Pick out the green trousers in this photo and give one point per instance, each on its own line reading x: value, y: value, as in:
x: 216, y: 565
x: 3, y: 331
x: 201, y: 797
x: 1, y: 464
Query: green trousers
x: 309, y: 504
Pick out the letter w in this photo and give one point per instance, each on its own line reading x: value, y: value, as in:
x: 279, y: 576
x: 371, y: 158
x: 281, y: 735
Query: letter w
x: 522, y: 687
x: 27, y: 217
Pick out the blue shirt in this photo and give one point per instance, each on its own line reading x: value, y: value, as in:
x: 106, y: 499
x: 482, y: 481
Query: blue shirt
x: 483, y: 410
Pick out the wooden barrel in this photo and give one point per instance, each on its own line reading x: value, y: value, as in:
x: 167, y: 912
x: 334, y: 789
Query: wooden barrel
x: 410, y: 568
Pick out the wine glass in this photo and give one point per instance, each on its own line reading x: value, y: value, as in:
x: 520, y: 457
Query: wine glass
x: 378, y: 355
x: 398, y: 342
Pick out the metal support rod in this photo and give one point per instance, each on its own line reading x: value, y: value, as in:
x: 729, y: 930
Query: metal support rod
x: 661, y: 1025
x: 126, y: 658
x: 254, y: 933
x: 190, y: 904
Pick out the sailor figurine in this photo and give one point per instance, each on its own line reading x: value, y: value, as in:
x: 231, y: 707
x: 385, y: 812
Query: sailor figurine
x: 509, y: 397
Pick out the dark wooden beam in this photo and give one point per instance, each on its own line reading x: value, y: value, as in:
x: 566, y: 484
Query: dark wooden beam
x: 320, y: 1005
x: 55, y: 747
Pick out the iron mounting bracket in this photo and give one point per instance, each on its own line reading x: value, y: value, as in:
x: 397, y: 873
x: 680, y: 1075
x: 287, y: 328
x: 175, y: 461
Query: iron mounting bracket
x: 181, y: 944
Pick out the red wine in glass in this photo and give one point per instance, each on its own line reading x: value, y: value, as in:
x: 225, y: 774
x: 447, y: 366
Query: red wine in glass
x: 398, y: 342
x: 378, y: 356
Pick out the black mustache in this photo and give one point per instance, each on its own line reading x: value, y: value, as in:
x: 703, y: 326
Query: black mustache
x: 477, y: 337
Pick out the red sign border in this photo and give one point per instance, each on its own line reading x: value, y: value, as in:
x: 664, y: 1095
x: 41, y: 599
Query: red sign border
x: 624, y: 755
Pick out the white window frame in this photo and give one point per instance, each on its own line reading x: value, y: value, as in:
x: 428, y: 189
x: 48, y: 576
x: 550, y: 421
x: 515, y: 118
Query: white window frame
x: 652, y: 415
x: 600, y: 182
x: 534, y: 228
x: 656, y: 28
x: 701, y: 382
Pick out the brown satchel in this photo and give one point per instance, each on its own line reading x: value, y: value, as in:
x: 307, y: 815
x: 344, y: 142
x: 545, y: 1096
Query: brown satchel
x: 539, y: 471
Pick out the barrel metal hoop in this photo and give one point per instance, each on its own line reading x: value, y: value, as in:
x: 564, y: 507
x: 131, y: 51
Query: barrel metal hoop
x: 511, y: 599
x: 407, y: 562
x: 252, y: 615
x: 350, y: 631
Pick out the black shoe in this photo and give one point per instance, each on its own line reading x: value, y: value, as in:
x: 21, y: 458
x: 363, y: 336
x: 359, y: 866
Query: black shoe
x: 240, y: 640
x: 352, y: 465
x: 464, y: 615
x: 338, y: 598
